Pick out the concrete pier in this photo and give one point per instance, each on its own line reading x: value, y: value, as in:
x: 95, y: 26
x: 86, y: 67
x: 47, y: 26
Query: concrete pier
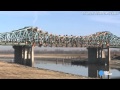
x: 24, y: 55
x: 18, y: 54
x: 108, y: 56
x: 97, y: 55
x: 92, y: 55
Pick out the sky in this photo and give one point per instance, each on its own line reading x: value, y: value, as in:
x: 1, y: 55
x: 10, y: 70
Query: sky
x: 80, y: 23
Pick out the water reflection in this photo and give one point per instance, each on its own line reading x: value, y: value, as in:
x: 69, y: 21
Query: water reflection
x: 94, y: 71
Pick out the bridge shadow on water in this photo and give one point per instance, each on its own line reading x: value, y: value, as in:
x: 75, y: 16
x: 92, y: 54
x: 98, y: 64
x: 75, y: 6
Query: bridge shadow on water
x: 94, y: 70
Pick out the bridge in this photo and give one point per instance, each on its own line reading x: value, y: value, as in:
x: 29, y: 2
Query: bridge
x: 25, y: 39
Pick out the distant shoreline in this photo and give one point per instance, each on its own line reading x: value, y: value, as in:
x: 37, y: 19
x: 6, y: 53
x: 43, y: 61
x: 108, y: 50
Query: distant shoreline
x: 50, y: 55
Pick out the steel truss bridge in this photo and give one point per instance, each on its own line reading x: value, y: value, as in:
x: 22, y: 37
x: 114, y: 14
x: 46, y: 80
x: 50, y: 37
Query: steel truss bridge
x: 34, y: 36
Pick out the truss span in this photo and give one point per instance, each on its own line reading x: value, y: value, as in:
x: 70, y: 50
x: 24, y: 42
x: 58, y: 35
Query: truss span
x: 34, y: 36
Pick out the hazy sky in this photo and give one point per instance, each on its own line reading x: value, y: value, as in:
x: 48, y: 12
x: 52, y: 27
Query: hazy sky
x: 62, y: 22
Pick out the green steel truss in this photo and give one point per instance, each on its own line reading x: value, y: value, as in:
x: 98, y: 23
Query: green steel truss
x: 34, y: 36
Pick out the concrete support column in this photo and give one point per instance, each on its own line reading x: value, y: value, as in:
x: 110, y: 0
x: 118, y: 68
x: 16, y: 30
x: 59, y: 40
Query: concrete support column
x: 98, y: 53
x: 101, y: 50
x: 24, y: 55
x: 18, y: 54
x: 29, y: 56
x: 92, y: 55
x: 102, y: 53
x: 108, y: 56
x: 32, y: 56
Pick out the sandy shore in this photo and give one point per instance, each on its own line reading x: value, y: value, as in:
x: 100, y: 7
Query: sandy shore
x: 51, y: 55
x: 16, y: 71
